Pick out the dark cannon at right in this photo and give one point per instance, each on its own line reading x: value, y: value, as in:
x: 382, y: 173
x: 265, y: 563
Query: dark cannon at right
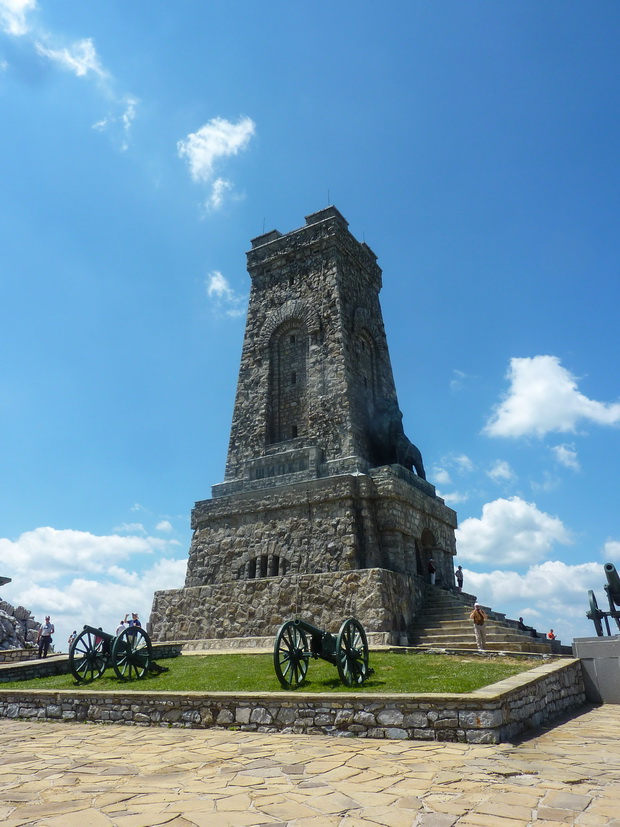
x: 612, y: 589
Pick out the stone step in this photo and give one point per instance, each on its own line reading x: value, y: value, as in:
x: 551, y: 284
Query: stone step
x: 462, y: 624
x: 497, y: 644
x: 532, y: 649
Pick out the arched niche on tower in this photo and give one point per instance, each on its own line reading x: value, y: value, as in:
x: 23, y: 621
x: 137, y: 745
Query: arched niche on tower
x: 287, y: 409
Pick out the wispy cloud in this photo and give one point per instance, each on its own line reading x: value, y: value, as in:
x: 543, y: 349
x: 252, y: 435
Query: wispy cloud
x: 459, y: 378
x: 205, y: 149
x: 543, y: 397
x: 501, y: 472
x: 566, y: 455
x: 80, y: 58
x: 224, y: 299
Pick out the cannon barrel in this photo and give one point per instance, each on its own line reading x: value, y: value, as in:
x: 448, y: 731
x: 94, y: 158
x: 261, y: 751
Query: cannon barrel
x: 99, y: 633
x: 308, y: 628
x: 613, y: 583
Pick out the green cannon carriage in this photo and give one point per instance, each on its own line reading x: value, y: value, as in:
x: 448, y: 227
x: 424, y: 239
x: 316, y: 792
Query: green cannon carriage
x: 347, y: 651
x: 93, y: 650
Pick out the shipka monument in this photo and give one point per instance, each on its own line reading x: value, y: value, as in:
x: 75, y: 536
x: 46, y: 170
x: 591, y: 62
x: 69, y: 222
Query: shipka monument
x: 324, y: 511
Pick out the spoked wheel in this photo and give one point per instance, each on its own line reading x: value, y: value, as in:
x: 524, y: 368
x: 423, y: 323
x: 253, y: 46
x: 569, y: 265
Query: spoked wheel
x: 290, y: 655
x: 132, y: 653
x: 595, y: 614
x: 352, y: 653
x: 87, y: 658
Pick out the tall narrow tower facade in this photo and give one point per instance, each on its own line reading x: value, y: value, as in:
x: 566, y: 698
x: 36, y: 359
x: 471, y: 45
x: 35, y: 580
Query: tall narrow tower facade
x: 324, y: 509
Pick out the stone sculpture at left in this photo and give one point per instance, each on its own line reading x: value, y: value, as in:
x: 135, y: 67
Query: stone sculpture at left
x: 18, y: 628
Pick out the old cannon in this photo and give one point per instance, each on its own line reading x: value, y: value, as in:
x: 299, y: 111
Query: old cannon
x: 347, y: 651
x: 93, y: 650
x: 612, y: 588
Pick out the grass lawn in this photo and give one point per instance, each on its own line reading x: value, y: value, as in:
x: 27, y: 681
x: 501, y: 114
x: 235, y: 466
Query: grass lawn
x: 254, y: 673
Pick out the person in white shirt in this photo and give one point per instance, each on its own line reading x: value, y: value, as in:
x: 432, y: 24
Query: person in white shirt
x: 45, y: 637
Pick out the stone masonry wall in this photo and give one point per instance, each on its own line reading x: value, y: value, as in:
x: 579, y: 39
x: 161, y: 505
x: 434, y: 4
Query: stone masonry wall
x: 333, y: 524
x: 489, y: 716
x: 381, y: 600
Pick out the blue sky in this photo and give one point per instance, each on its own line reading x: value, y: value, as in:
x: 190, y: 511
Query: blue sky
x: 473, y: 146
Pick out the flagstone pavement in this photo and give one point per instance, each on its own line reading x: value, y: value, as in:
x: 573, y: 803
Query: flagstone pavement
x: 78, y: 775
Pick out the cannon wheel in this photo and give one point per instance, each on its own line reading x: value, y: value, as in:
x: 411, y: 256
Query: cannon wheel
x: 132, y: 653
x: 290, y: 655
x: 87, y: 658
x: 352, y: 653
x: 595, y: 614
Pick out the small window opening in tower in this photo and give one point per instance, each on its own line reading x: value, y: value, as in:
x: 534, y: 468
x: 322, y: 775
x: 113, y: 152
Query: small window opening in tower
x: 252, y: 569
x: 293, y: 378
x: 294, y: 432
x: 291, y: 281
x: 292, y: 339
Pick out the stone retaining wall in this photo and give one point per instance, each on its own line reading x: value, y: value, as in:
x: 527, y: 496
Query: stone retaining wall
x: 59, y: 664
x: 18, y: 655
x: 491, y: 715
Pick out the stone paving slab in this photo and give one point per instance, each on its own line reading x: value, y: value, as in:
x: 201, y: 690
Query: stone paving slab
x: 66, y: 774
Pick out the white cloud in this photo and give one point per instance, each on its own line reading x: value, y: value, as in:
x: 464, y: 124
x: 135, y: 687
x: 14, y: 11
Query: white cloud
x: 216, y: 139
x: 13, y: 14
x: 80, y: 58
x: 224, y: 298
x: 205, y: 148
x: 553, y: 592
x: 48, y: 553
x: 80, y: 578
x: 510, y: 531
x: 611, y: 550
x: 566, y: 455
x: 163, y: 525
x: 543, y: 397
x: 501, y: 472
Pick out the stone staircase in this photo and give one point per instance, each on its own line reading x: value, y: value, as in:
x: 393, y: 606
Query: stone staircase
x: 445, y: 624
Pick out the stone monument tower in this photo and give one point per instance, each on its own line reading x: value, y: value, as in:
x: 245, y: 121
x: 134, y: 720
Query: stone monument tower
x: 324, y: 510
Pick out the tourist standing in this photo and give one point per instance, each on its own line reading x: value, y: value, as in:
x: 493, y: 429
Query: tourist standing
x: 551, y: 634
x: 459, y: 579
x: 44, y: 638
x: 479, y: 618
x: 432, y: 570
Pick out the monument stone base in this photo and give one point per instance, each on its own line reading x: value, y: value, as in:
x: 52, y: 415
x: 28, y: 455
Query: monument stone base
x: 383, y: 601
x: 325, y: 549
